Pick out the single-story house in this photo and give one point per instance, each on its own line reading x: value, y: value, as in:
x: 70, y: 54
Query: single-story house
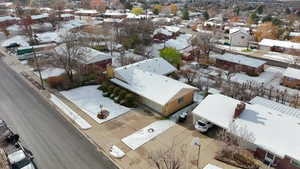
x: 6, y: 21
x: 165, y: 33
x: 90, y: 57
x: 240, y: 63
x: 239, y: 37
x: 278, y: 45
x: 275, y: 141
x: 294, y: 35
x: 291, y: 78
x: 156, y: 91
x: 67, y: 17
x: 116, y: 14
x: 86, y: 12
x: 39, y: 18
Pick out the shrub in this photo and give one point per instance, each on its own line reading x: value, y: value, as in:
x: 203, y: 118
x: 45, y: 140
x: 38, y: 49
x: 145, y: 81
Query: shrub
x: 253, y: 74
x: 130, y: 100
x: 102, y: 48
x: 56, y: 82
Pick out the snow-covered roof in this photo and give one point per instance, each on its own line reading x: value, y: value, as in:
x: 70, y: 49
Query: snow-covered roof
x: 162, y: 19
x: 155, y: 65
x: 90, y: 55
x: 134, y: 16
x: 240, y: 59
x: 276, y: 106
x: 294, y: 34
x: 279, y: 43
x: 173, y: 29
x: 6, y: 4
x: 162, y: 31
x: 94, y: 56
x: 86, y: 11
x: 66, y: 15
x: 21, y: 40
x: 210, y: 166
x: 181, y: 42
x: 239, y: 29
x: 7, y: 18
x: 157, y: 88
x: 47, y: 37
x: 292, y: 73
x: 259, y: 120
x: 41, y: 16
x: 114, y: 13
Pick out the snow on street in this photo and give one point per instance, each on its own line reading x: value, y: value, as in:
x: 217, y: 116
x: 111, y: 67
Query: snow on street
x: 89, y: 99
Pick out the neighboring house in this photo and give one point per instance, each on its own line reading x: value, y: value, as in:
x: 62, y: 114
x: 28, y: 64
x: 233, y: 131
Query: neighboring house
x: 158, y: 92
x: 294, y: 35
x: 39, y: 18
x: 90, y: 57
x: 291, y: 78
x: 67, y: 17
x: 240, y: 63
x: 279, y: 46
x: 6, y: 21
x: 275, y: 141
x: 165, y: 33
x: 115, y: 14
x: 86, y: 12
x: 239, y: 37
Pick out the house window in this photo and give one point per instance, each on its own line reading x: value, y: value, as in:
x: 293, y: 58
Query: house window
x: 270, y: 158
x: 295, y: 163
x: 242, y: 37
x: 181, y: 100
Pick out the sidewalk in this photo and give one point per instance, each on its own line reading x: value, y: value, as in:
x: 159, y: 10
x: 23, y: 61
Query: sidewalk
x: 111, y: 132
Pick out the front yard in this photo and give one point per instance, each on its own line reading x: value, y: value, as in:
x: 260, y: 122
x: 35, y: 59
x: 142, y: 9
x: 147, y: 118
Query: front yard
x: 89, y: 99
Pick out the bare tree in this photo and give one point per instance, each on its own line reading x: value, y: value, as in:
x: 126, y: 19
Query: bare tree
x: 170, y: 158
x: 70, y: 55
x: 189, y: 74
x: 204, y: 43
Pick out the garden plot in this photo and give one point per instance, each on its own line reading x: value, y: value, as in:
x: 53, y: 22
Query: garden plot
x: 89, y: 99
x: 147, y: 133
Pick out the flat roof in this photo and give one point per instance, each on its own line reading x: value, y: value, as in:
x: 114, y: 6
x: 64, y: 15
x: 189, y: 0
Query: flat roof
x: 276, y: 106
x: 292, y: 73
x: 279, y: 43
x: 242, y: 60
x: 155, y: 65
x: 273, y: 131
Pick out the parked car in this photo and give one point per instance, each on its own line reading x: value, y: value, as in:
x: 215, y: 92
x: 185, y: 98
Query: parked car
x: 21, y: 159
x: 203, y: 125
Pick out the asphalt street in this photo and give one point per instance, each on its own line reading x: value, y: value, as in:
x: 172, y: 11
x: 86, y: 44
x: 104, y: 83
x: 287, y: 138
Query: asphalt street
x: 55, y: 143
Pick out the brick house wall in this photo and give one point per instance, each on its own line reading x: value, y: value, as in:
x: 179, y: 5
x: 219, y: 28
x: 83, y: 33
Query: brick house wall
x: 292, y: 83
x: 247, y: 69
x: 284, y: 163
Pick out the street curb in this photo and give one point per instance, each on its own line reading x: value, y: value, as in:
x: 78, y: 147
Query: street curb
x: 61, y: 113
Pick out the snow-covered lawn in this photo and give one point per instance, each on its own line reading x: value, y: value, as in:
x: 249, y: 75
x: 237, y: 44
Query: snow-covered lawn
x: 89, y: 99
x: 68, y: 111
x: 147, y: 133
x: 51, y: 72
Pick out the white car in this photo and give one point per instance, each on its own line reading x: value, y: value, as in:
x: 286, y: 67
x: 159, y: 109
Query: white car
x: 202, y: 125
x: 19, y: 160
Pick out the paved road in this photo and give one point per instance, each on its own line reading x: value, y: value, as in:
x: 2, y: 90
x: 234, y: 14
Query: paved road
x: 55, y: 143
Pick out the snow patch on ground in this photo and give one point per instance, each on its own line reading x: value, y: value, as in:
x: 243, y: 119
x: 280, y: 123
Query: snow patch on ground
x: 147, y: 133
x: 68, y: 111
x: 89, y: 99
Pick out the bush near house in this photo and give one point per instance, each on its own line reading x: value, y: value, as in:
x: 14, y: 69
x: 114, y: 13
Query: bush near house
x: 101, y: 48
x: 253, y: 74
x: 118, y: 94
x: 56, y: 82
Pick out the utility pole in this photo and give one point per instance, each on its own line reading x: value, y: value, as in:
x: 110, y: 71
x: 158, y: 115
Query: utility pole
x: 37, y: 62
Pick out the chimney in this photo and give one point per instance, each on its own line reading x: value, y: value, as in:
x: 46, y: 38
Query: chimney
x: 239, y: 109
